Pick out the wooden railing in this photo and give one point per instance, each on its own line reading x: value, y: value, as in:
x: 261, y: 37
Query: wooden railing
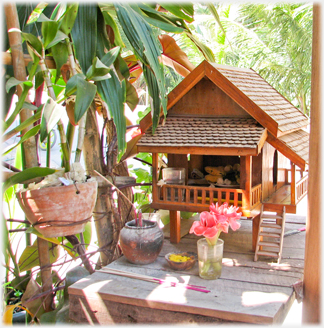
x: 301, y: 188
x: 193, y: 198
x: 256, y: 194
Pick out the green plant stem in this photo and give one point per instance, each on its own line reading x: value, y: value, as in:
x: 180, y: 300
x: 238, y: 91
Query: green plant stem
x: 81, y: 134
x: 71, y: 57
x: 64, y: 147
x: 84, y: 117
x: 48, y: 151
x: 70, y: 131
x: 23, y: 125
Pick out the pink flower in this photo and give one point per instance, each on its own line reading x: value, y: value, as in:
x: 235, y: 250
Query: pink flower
x: 217, y: 220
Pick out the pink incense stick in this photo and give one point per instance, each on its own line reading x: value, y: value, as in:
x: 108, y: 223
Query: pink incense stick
x: 152, y: 279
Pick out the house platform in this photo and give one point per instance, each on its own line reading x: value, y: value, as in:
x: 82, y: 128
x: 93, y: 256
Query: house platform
x: 247, y: 292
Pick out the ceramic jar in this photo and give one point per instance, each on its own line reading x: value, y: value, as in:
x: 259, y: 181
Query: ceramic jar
x: 141, y: 245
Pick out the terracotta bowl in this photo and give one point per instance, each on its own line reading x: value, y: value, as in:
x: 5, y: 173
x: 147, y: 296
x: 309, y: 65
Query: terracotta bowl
x: 181, y: 265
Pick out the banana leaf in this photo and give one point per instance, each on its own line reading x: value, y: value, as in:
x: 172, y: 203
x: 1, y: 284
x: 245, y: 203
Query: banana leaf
x: 114, y: 95
x: 84, y: 35
x: 148, y: 50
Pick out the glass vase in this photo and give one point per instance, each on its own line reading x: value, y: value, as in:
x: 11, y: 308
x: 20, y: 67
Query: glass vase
x: 210, y: 259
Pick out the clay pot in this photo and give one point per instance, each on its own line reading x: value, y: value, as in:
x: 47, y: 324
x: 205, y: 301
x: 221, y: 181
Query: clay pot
x: 141, y: 245
x: 56, y: 211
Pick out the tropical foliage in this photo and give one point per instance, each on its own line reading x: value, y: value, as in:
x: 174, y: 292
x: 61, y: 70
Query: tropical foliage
x: 275, y: 39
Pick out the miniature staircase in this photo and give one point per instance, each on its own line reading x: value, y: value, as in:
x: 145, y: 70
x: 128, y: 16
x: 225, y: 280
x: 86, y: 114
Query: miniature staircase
x: 270, y: 234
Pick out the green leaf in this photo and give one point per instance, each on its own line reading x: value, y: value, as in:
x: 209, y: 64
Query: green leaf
x: 87, y: 235
x: 31, y: 173
x: 29, y: 106
x: 49, y: 29
x: 71, y: 85
x: 148, y: 49
x: 114, y: 94
x: 160, y: 20
x: 121, y: 67
x: 52, y: 112
x: 30, y: 258
x: 35, y: 43
x: 60, y: 55
x: 67, y: 21
x: 208, y: 54
x: 180, y: 10
x: 84, y: 35
x: 39, y: 79
x: 131, y: 96
x: 52, y: 240
x: 165, y: 26
x: 97, y: 71
x: 30, y: 133
x: 109, y: 58
x: 26, y: 85
x: 59, y: 37
x: 85, y: 94
x: 13, y: 82
x: 111, y: 22
x: 153, y: 89
x: 131, y: 149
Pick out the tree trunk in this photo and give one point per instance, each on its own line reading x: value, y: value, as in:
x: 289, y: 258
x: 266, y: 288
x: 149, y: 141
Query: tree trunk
x: 93, y: 162
x: 108, y: 219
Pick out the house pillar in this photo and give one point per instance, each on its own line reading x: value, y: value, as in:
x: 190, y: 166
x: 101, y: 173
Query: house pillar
x: 155, y: 172
x: 175, y: 227
x: 176, y: 160
x: 246, y: 178
x: 293, y: 184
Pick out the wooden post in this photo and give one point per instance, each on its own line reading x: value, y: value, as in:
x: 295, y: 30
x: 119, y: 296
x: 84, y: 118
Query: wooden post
x: 155, y: 172
x: 246, y: 169
x: 18, y: 62
x: 311, y: 311
x: 293, y: 184
x: 255, y: 231
x: 46, y: 272
x: 29, y: 146
x: 175, y: 227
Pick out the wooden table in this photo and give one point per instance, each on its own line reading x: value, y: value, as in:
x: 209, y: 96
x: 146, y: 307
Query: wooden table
x: 249, y: 292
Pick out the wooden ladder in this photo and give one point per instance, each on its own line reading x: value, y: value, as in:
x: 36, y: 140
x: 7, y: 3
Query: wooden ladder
x: 270, y: 234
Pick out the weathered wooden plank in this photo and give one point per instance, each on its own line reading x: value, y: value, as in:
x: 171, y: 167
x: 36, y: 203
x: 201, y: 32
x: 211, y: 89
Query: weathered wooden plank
x: 228, y: 300
x: 108, y: 313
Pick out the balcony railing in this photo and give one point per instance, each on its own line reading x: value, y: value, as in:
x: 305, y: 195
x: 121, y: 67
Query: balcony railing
x: 301, y: 188
x: 195, y: 198
x: 256, y: 195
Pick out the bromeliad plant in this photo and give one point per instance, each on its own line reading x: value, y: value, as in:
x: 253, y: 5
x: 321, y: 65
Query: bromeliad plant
x: 217, y: 220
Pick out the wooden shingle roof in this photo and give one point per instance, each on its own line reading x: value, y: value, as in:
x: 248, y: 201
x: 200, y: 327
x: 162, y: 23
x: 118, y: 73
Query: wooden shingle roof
x: 217, y: 134
x: 287, y: 116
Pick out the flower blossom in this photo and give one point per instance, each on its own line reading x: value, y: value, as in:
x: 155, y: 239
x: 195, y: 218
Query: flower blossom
x: 217, y: 220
